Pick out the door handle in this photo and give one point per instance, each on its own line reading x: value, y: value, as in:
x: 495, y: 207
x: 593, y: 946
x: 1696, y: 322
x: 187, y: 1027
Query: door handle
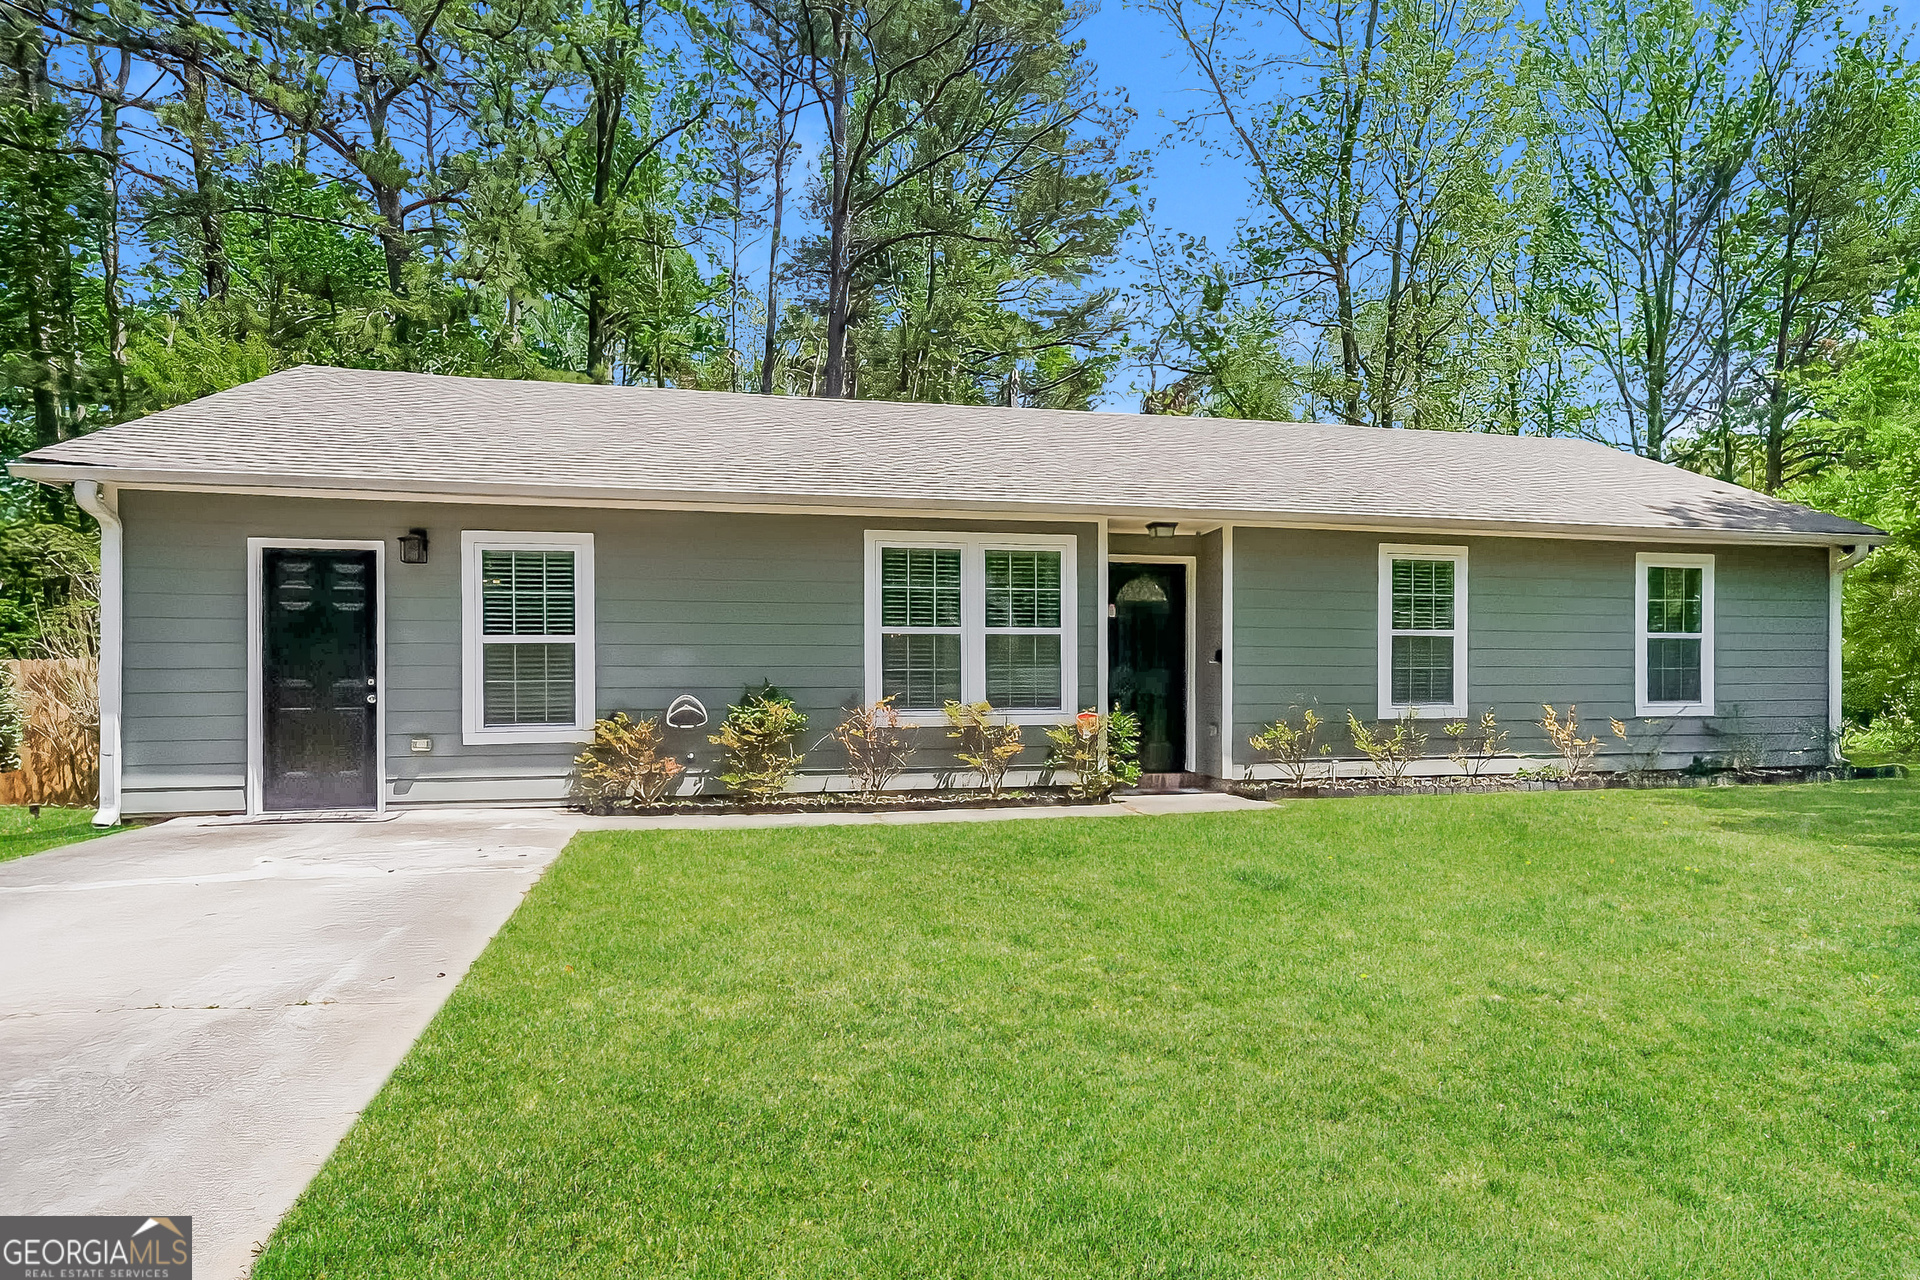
x: 370, y: 699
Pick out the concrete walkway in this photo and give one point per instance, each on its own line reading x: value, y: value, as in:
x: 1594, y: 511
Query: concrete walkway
x: 192, y: 1015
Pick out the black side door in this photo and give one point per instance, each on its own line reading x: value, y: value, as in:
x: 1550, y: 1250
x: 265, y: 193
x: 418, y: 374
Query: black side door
x: 1147, y: 650
x: 321, y: 680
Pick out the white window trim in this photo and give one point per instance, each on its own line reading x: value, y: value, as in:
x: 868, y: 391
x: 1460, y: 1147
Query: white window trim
x: 1389, y: 552
x: 973, y: 614
x: 474, y: 729
x: 1672, y: 560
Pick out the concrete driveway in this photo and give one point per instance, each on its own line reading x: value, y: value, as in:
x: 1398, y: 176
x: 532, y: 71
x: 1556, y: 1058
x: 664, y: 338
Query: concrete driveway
x: 192, y: 1015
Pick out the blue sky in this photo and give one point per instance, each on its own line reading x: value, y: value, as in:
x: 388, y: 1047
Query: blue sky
x: 1133, y: 51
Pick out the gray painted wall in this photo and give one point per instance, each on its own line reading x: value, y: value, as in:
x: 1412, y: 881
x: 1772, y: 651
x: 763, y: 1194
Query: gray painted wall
x: 687, y: 602
x: 708, y: 603
x: 1549, y: 621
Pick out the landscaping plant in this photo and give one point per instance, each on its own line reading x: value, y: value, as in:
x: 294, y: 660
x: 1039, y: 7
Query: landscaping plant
x: 877, y: 748
x: 1576, y: 753
x: 625, y: 764
x: 984, y: 745
x: 1292, y: 750
x: 1476, y: 744
x: 1391, y: 753
x: 760, y: 737
x: 1101, y: 751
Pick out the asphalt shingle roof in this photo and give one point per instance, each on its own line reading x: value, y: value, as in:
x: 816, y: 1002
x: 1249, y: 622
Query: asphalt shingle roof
x: 395, y: 433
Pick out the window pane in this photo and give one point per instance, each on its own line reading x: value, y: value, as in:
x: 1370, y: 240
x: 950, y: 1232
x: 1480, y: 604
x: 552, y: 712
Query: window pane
x: 526, y: 593
x: 1023, y: 589
x: 1423, y: 595
x: 1023, y: 672
x: 920, y: 672
x: 919, y: 587
x: 1675, y: 599
x: 1422, y: 670
x: 1673, y: 670
x: 527, y: 684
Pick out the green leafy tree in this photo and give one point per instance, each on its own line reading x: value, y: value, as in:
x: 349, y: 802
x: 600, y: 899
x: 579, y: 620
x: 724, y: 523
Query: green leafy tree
x: 1656, y: 113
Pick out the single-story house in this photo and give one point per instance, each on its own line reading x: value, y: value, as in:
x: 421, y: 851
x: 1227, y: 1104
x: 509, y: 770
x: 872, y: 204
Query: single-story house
x: 338, y: 589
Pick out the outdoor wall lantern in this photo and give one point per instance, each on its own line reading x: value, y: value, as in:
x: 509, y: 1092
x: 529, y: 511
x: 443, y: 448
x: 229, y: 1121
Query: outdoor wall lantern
x: 413, y: 547
x: 1162, y: 528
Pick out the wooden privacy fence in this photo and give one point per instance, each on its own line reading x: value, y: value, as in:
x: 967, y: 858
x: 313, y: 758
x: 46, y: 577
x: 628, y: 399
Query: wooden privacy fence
x: 60, y: 749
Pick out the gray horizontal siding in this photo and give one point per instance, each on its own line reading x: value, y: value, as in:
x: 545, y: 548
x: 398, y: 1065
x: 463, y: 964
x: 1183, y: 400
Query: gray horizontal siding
x: 1549, y: 622
x: 686, y: 602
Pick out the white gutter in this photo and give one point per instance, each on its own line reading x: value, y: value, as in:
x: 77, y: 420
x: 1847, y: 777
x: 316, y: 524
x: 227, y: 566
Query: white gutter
x: 1839, y: 560
x: 101, y: 504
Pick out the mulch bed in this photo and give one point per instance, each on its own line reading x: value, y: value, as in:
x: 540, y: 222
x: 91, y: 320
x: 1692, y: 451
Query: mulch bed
x: 1639, y: 780
x: 842, y: 802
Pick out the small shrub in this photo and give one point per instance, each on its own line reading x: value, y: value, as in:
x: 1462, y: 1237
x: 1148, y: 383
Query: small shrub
x: 759, y: 736
x: 1576, y: 753
x: 1476, y: 744
x: 624, y: 766
x: 1391, y: 753
x: 877, y: 749
x: 986, y: 747
x: 1101, y: 751
x: 1292, y: 750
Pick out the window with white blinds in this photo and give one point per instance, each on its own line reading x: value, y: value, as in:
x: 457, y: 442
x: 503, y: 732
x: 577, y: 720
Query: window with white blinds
x: 1423, y: 631
x: 971, y: 618
x: 529, y: 636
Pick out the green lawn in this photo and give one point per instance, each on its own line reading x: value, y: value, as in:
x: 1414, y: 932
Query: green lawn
x: 1602, y: 1034
x: 21, y: 833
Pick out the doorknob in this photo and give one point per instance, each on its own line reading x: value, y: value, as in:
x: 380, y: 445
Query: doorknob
x: 370, y: 699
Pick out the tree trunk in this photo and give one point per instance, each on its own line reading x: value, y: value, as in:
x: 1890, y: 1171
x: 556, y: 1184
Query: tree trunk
x: 839, y: 215
x: 110, y: 234
x: 609, y: 93
x: 206, y: 182
x: 773, y: 251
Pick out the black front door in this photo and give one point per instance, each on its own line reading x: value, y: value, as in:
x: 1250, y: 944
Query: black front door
x: 1147, y: 656
x: 321, y: 681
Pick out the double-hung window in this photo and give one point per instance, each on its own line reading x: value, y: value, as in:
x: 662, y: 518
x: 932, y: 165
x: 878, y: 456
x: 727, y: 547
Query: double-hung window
x: 528, y: 636
x: 971, y: 618
x: 1673, y: 656
x: 1423, y: 631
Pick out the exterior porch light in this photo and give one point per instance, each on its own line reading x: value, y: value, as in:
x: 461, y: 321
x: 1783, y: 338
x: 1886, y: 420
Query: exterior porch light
x: 413, y: 547
x: 1161, y: 528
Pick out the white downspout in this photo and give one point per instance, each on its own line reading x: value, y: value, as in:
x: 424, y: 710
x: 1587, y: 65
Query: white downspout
x: 102, y: 505
x: 1839, y: 560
